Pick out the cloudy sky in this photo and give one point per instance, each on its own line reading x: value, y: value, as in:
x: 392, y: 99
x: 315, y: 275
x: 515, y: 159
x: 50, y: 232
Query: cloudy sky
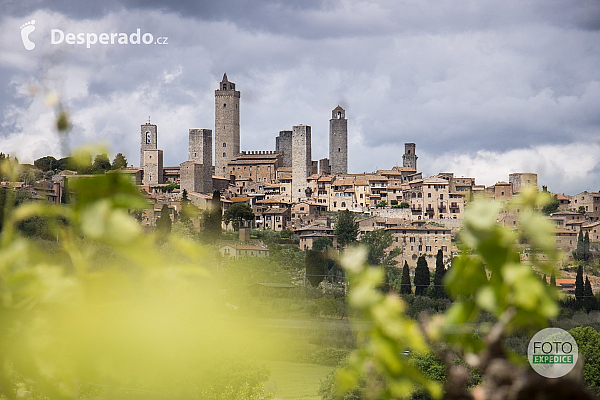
x: 483, y: 87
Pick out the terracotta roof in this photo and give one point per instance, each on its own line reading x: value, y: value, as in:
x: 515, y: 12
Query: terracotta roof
x: 240, y: 199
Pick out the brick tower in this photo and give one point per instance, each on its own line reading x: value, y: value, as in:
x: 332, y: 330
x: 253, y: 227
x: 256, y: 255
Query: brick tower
x: 227, y: 125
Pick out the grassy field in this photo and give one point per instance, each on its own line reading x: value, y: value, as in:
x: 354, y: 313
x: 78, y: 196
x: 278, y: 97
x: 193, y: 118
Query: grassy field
x: 290, y: 380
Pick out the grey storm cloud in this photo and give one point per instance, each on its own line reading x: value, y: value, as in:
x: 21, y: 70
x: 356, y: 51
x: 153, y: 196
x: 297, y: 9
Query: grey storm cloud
x: 473, y: 83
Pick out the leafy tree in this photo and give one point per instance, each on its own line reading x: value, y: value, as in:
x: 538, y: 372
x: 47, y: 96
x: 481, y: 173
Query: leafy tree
x: 377, y: 242
x: 552, y: 206
x: 381, y: 204
x: 440, y: 270
x: 589, y: 300
x: 346, y: 229
x: 422, y: 278
x: 581, y: 210
x: 404, y: 204
x: 65, y: 163
x: 321, y: 243
x: 588, y: 343
x: 101, y: 163
x: 119, y: 161
x: 405, y: 286
x: 237, y: 213
x: 47, y: 163
x: 579, y: 284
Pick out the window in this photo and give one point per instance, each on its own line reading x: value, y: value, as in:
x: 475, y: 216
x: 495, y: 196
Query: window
x: 224, y: 155
x: 224, y: 86
x: 148, y: 137
x: 339, y: 149
x: 224, y: 105
x: 225, y: 170
x: 224, y: 144
x: 428, y: 194
x: 441, y: 196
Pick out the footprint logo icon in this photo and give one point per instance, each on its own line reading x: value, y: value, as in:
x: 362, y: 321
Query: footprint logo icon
x: 26, y: 29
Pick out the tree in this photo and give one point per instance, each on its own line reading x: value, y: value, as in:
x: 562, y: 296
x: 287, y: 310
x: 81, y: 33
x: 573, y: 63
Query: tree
x: 405, y: 287
x: 321, y: 243
x: 440, y: 270
x: 581, y: 210
x: 316, y: 267
x: 552, y: 206
x: 188, y: 210
x: 579, y: 253
x: 377, y: 241
x: 65, y: 163
x: 589, y: 301
x: 422, y: 279
x: 237, y: 213
x: 163, y: 222
x: 47, y: 163
x: 119, y: 161
x: 553, y: 280
x: 588, y: 343
x: 101, y: 163
x: 579, y: 284
x: 586, y: 246
x: 214, y: 216
x: 346, y: 229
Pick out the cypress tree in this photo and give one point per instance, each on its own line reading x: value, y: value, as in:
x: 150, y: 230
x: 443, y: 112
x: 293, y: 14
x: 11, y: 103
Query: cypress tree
x: 586, y: 246
x: 405, y: 286
x: 589, y: 300
x: 552, y: 280
x: 422, y: 279
x: 579, y: 284
x: 438, y: 287
x: 579, y: 252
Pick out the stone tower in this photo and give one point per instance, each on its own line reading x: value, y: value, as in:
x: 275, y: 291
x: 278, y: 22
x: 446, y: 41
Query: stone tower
x: 148, y: 140
x: 301, y: 160
x: 283, y: 143
x: 227, y: 125
x: 196, y: 173
x: 338, y: 141
x: 409, y: 158
x: 200, y: 146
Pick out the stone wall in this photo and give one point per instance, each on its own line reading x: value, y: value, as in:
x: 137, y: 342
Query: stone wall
x: 301, y: 160
x: 338, y: 141
x: 283, y: 143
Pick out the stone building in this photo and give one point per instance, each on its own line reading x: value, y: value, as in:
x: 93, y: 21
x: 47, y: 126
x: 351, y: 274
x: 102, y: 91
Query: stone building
x: 283, y: 144
x: 227, y: 125
x: 338, y: 141
x: 200, y: 146
x: 417, y: 240
x: 148, y: 140
x: 301, y: 160
x: 153, y: 167
x: 196, y: 173
x: 257, y: 166
x: 522, y: 179
x: 409, y: 158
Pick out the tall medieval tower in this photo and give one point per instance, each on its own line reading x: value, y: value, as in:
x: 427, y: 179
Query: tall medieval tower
x: 301, y: 160
x: 338, y: 141
x: 227, y: 125
x: 148, y: 140
x: 409, y: 158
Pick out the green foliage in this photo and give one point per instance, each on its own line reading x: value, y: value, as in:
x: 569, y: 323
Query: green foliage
x: 167, y: 188
x: 316, y: 267
x: 405, y: 286
x: 552, y: 205
x: 422, y: 278
x: 105, y: 313
x: 377, y: 242
x: 47, y: 163
x: 513, y: 292
x: 586, y: 246
x: 119, y: 161
x: 581, y: 210
x: 553, y: 280
x: 381, y: 204
x: 579, y: 253
x: 346, y: 229
x: 588, y: 343
x: 388, y: 333
x: 101, y: 163
x: 237, y: 213
x: 164, y: 222
x: 322, y: 243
